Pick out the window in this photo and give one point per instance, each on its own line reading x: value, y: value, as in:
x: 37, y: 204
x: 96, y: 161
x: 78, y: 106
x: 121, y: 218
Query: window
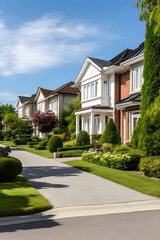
x: 137, y: 77
x: 90, y: 91
x: 105, y: 90
x: 96, y: 89
x: 53, y: 104
x: 87, y: 124
x: 40, y: 107
x: 135, y: 116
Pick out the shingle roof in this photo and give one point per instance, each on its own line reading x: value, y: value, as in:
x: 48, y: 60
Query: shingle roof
x: 46, y: 92
x: 100, y: 63
x: 136, y: 97
x: 23, y: 98
x: 121, y: 57
x: 67, y: 88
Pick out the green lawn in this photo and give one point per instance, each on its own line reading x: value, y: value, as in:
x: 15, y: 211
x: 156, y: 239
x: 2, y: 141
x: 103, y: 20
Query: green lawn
x: 134, y: 181
x: 19, y: 197
x: 43, y: 153
x: 8, y: 143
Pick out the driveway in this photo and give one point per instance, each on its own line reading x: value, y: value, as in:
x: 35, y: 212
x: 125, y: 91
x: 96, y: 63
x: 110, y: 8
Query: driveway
x: 65, y: 186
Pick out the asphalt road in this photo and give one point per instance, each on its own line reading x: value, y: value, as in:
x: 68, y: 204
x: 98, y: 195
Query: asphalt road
x: 126, y: 226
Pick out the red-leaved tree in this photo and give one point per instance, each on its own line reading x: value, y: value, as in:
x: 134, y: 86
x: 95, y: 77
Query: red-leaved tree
x: 45, y: 122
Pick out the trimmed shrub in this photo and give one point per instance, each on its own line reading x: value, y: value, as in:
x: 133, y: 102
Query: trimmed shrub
x: 121, y: 148
x: 73, y: 136
x: 110, y: 134
x: 9, y: 168
x: 86, y: 147
x: 4, y: 151
x: 83, y: 138
x: 7, y: 135
x: 39, y: 147
x: 31, y: 144
x: 106, y: 147
x: 73, y: 153
x: 150, y: 166
x: 54, y: 143
x: 95, y: 137
x: 35, y: 138
x: 117, y: 161
x: 18, y: 141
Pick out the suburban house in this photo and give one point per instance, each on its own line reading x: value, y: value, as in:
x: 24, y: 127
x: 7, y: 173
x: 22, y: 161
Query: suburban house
x: 26, y: 107
x: 46, y: 101
x: 111, y: 89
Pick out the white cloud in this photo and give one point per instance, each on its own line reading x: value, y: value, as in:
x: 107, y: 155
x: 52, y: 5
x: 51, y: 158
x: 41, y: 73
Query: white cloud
x: 7, y: 96
x: 44, y: 43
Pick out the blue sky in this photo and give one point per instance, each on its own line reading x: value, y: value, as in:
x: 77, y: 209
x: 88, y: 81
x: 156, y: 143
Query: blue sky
x: 45, y: 42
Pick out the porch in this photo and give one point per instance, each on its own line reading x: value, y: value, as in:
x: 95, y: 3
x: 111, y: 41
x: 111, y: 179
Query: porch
x: 94, y: 119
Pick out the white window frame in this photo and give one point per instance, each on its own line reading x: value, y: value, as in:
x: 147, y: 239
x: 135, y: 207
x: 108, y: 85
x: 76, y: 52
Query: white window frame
x: 136, y: 78
x: 136, y: 115
x: 90, y: 91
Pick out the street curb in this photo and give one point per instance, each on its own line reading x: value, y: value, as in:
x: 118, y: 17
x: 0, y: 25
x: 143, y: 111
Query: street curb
x: 81, y: 211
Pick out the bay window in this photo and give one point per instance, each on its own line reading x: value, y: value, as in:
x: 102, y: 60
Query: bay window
x: 90, y: 91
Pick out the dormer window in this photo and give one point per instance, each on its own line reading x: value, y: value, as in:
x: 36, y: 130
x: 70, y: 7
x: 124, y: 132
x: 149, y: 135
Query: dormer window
x: 137, y: 76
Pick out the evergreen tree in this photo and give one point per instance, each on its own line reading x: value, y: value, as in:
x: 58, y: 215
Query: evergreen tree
x: 110, y: 134
x: 145, y: 129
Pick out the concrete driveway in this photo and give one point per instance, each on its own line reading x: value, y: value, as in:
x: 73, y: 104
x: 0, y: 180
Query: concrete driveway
x: 65, y: 186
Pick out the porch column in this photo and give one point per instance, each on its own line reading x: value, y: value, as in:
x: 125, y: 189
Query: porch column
x: 92, y: 123
x: 77, y: 124
x: 82, y: 127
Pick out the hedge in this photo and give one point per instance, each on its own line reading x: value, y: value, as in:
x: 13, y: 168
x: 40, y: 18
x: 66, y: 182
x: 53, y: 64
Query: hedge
x: 150, y: 166
x: 9, y: 168
x: 54, y: 143
x: 86, y: 147
x: 31, y: 144
x: 117, y: 161
x: 73, y: 153
x: 39, y: 147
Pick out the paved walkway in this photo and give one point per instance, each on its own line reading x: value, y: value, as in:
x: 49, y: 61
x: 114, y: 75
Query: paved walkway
x: 75, y: 193
x: 66, y: 186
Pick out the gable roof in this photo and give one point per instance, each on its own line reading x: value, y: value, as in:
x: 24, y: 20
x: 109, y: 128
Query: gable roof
x: 100, y: 63
x: 23, y: 98
x: 67, y: 88
x: 46, y: 92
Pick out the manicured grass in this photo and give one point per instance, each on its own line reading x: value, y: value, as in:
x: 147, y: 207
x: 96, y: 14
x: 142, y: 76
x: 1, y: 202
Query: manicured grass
x: 134, y: 181
x: 11, y: 144
x: 43, y: 153
x: 8, y: 143
x: 19, y: 197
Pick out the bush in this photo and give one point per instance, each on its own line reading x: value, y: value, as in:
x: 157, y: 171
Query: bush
x: 19, y: 141
x: 35, y: 138
x: 71, y: 143
x: 110, y: 134
x: 150, y: 166
x: 55, y: 131
x: 73, y: 153
x: 31, y: 144
x: 117, y: 161
x: 83, y: 138
x: 54, y: 143
x: 97, y: 145
x: 73, y: 136
x: 39, y: 147
x: 9, y: 168
x: 1, y: 136
x: 4, y: 151
x: 121, y: 148
x: 106, y: 147
x: 95, y: 137
x: 86, y: 147
x: 7, y: 135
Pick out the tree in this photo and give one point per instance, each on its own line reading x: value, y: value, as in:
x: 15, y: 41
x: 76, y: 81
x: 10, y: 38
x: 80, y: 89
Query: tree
x: 150, y: 12
x: 11, y: 120
x: 5, y: 109
x: 45, y: 122
x: 62, y: 122
x: 110, y: 134
x: 23, y: 130
x: 71, y: 119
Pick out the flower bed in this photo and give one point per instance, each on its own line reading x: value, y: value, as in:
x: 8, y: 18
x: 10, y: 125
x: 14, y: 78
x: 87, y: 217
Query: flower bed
x: 117, y: 161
